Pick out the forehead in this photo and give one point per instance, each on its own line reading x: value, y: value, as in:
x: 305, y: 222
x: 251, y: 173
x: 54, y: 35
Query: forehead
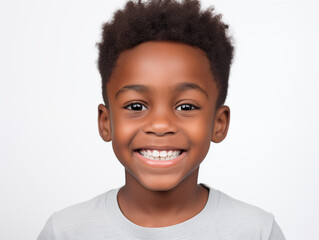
x: 161, y: 64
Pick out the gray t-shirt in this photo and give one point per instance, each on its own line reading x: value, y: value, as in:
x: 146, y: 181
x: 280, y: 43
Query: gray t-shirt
x: 223, y: 218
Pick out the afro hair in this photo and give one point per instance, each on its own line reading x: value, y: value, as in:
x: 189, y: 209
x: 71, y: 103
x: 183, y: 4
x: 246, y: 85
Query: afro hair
x: 167, y: 20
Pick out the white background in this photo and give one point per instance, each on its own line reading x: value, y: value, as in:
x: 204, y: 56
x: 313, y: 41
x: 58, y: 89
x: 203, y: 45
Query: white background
x: 51, y: 155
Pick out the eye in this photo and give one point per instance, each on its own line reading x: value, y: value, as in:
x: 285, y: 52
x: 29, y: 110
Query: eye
x: 136, y: 107
x: 186, y: 107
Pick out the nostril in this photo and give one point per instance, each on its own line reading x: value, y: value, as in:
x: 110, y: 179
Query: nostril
x: 160, y: 124
x: 159, y: 129
x: 160, y: 133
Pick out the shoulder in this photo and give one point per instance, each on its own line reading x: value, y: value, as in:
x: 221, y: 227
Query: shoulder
x: 242, y: 210
x: 239, y: 218
x: 82, y: 216
x: 83, y: 208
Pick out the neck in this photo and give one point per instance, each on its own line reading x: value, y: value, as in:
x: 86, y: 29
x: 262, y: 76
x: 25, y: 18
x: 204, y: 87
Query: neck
x: 161, y: 208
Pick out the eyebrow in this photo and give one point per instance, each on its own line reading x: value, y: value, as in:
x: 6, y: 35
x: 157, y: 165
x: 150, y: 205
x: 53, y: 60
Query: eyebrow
x: 135, y: 87
x: 179, y: 88
x: 187, y: 86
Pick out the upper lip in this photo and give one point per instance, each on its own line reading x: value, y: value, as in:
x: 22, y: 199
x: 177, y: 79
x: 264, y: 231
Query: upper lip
x: 160, y: 148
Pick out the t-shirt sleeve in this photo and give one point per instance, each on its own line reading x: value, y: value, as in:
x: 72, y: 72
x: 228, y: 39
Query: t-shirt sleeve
x: 276, y: 233
x: 47, y: 231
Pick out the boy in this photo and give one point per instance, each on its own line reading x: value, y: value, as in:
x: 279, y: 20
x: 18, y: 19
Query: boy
x: 164, y: 68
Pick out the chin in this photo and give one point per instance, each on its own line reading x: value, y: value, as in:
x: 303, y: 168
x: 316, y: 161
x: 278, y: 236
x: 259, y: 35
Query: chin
x: 161, y: 183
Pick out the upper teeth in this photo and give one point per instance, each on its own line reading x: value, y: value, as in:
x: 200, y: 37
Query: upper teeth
x: 160, y: 155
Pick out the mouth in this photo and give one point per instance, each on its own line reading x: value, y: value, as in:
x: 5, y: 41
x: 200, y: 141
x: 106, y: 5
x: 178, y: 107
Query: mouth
x: 160, y: 155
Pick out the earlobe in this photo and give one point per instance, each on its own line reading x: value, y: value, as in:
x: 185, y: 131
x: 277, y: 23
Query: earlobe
x: 104, y: 123
x: 221, y: 124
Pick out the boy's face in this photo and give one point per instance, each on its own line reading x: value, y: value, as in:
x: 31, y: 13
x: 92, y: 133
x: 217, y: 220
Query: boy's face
x: 162, y: 116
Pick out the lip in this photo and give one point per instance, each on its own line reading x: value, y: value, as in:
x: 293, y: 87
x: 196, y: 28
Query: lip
x: 158, y: 163
x: 151, y: 147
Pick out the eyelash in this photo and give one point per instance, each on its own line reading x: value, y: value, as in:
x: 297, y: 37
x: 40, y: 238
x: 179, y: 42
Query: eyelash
x: 193, y: 107
x: 132, y: 104
x: 129, y: 107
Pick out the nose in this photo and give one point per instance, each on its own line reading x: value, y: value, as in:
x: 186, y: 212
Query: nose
x: 160, y: 123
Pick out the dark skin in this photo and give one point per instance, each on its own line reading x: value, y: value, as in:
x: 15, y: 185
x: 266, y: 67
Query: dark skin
x: 162, y: 96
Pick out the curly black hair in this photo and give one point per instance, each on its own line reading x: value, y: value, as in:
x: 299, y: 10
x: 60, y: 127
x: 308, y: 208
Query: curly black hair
x: 167, y: 20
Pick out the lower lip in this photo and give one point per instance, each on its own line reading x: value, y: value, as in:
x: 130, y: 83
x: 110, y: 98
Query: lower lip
x: 160, y: 163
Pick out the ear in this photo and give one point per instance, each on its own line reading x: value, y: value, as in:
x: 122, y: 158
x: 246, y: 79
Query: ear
x: 221, y: 124
x: 104, y: 123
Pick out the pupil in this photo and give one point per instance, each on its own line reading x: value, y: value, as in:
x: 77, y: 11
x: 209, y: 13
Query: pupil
x: 186, y: 107
x: 137, y: 106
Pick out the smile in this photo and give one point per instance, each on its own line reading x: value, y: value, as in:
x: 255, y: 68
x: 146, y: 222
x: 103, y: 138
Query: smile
x: 160, y: 155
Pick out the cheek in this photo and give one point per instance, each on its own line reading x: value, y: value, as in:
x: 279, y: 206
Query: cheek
x: 200, y: 133
x: 123, y: 132
x: 201, y: 130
